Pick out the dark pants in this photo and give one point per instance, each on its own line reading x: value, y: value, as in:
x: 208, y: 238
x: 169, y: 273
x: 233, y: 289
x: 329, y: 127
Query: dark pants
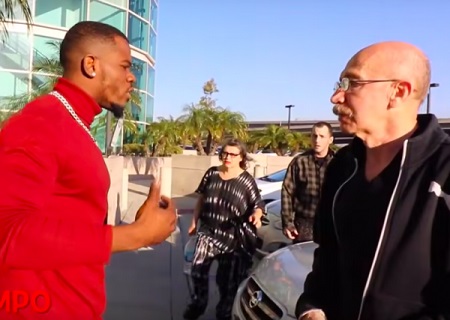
x: 232, y: 270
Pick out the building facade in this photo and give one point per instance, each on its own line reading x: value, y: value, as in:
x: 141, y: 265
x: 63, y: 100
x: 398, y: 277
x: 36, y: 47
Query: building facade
x: 51, y: 19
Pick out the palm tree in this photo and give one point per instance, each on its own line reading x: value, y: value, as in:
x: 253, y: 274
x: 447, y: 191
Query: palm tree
x: 194, y: 121
x: 207, y: 121
x: 297, y: 141
x: 209, y: 88
x: 223, y: 123
x: 273, y: 137
x: 163, y: 137
x: 7, y: 8
x: 252, y: 142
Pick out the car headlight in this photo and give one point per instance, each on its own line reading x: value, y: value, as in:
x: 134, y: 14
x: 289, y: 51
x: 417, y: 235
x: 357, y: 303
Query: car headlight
x: 282, y: 274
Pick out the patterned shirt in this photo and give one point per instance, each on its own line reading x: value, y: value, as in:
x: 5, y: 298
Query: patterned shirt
x: 225, y: 203
x: 301, y: 188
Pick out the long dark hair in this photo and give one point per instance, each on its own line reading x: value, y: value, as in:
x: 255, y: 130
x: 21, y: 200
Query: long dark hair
x: 242, y: 150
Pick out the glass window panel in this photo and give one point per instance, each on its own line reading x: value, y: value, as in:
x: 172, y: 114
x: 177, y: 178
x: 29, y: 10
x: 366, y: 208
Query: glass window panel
x: 122, y: 3
x: 151, y: 80
x: 152, y: 44
x: 108, y: 14
x: 45, y: 47
x: 141, y: 8
x: 17, y: 11
x: 154, y: 15
x: 13, y: 84
x: 62, y: 13
x: 138, y: 32
x: 139, y: 69
x: 142, y: 110
x: 137, y: 110
x: 149, y: 109
x: 42, y: 84
x: 98, y: 130
x: 15, y: 52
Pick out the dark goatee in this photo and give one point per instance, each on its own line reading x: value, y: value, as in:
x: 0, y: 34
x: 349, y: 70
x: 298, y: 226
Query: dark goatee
x: 117, y: 111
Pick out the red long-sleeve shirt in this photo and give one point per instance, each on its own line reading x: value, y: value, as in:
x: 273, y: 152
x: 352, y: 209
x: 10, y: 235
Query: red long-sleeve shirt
x: 53, y: 203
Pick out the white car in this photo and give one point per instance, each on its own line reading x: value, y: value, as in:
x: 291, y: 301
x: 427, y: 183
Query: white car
x: 270, y: 186
x: 266, y: 152
x: 271, y: 231
x: 273, y: 288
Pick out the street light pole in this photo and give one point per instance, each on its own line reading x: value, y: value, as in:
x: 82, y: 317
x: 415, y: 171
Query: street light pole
x: 289, y: 107
x: 108, y: 133
x: 432, y: 85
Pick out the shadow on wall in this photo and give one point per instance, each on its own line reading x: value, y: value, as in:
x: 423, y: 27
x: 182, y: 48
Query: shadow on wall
x: 145, y: 166
x: 118, y: 215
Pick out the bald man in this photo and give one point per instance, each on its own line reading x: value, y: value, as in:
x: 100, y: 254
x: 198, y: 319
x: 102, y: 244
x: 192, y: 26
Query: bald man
x: 54, y: 244
x: 383, y: 224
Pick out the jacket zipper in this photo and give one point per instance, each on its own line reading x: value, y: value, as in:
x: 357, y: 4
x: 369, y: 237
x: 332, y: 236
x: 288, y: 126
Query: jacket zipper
x: 336, y: 195
x: 383, y: 230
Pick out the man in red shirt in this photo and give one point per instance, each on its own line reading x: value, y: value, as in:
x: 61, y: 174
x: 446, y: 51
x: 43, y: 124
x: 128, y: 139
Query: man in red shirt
x: 54, y: 185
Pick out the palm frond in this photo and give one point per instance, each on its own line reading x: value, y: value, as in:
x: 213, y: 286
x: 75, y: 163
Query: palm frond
x: 7, y: 14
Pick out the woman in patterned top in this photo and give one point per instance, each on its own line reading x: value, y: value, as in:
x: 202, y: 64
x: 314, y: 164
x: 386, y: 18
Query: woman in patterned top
x: 227, y: 214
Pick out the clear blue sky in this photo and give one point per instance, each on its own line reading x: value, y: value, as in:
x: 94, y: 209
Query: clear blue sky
x: 266, y: 54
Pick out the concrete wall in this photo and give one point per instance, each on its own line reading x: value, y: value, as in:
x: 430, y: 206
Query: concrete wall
x: 118, y: 191
x: 277, y: 163
x: 187, y: 171
x: 137, y: 166
x: 269, y: 164
x: 179, y: 175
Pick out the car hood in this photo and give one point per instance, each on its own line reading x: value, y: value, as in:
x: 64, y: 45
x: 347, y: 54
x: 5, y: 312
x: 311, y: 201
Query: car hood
x: 267, y: 186
x: 260, y: 182
x: 282, y: 274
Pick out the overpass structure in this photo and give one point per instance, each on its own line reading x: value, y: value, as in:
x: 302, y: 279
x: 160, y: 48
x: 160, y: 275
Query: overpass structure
x: 305, y: 127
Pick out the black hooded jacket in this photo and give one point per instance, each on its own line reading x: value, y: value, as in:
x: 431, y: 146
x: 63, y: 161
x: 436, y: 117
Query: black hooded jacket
x: 410, y: 273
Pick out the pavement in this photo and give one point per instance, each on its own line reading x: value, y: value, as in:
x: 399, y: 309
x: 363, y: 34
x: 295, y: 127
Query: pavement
x: 149, y: 283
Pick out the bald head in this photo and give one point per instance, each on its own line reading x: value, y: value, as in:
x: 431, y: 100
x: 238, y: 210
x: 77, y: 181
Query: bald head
x: 395, y: 60
x: 86, y: 37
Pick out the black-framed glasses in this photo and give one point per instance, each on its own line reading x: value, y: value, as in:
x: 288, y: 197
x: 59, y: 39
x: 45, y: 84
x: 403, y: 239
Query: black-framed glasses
x: 346, y: 83
x: 225, y: 155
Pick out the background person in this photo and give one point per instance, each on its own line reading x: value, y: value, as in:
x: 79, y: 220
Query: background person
x: 229, y: 210
x: 302, y: 184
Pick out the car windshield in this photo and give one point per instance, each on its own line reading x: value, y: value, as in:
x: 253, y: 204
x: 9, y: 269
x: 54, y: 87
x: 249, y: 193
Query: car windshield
x: 275, y: 177
x: 282, y: 274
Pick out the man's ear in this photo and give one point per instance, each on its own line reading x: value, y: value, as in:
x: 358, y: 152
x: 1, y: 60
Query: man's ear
x: 403, y: 90
x: 88, y: 66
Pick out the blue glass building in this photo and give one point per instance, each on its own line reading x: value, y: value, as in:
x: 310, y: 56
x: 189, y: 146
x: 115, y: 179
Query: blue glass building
x: 51, y: 19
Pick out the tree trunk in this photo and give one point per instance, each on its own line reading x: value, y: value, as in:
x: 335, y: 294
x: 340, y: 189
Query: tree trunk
x: 279, y: 151
x: 147, y: 149
x: 154, y: 149
x: 198, y: 144
x: 209, y: 144
x: 214, y: 148
x: 295, y: 150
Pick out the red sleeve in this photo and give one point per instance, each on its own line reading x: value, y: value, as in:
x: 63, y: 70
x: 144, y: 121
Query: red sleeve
x: 28, y: 237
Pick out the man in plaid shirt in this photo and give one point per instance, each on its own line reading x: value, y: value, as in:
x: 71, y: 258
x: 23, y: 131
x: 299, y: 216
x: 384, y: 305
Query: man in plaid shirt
x: 302, y: 185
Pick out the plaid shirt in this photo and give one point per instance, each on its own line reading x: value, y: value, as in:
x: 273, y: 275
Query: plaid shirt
x: 301, y: 188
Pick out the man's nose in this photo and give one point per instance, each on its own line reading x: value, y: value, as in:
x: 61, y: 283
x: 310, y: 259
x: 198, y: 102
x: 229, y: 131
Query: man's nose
x: 131, y: 78
x: 338, y: 97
